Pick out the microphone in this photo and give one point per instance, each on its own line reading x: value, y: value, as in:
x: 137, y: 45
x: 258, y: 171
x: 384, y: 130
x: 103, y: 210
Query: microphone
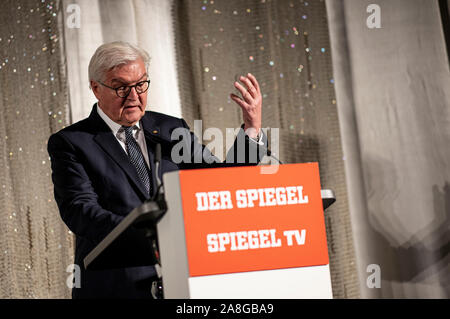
x: 159, y: 193
x: 269, y: 153
x: 159, y: 187
x: 266, y: 150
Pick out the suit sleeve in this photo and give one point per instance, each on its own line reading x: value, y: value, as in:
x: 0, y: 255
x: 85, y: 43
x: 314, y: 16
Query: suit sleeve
x: 243, y: 151
x: 246, y: 151
x: 75, y: 195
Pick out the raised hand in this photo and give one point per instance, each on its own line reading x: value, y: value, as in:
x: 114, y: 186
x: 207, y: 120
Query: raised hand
x: 250, y: 103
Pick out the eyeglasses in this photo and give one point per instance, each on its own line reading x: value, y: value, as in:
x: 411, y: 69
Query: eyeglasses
x: 124, y: 91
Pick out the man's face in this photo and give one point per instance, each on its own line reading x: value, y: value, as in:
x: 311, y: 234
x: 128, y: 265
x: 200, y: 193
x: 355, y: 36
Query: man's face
x: 124, y: 111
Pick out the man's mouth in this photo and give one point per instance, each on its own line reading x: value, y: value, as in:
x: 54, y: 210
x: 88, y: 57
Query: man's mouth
x: 130, y: 106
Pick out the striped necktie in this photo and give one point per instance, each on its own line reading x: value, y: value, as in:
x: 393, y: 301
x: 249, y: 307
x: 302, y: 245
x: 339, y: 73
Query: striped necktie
x: 136, y: 157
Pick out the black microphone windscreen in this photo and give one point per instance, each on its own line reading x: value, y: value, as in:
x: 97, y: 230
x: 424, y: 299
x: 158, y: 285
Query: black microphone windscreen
x: 158, y: 153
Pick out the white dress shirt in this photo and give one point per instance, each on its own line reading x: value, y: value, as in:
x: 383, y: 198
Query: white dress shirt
x: 119, y: 134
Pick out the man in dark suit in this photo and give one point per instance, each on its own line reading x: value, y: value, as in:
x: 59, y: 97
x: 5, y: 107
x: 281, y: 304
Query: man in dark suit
x: 102, y: 166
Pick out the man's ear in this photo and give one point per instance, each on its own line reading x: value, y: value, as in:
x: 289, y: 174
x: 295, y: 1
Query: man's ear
x: 95, y: 87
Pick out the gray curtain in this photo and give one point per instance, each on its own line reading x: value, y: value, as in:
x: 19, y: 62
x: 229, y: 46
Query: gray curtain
x: 146, y: 23
x: 35, y: 246
x: 285, y: 44
x: 393, y: 97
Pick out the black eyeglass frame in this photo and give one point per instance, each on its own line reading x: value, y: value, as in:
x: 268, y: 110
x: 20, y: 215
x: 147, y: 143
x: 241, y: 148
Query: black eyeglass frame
x: 129, y: 87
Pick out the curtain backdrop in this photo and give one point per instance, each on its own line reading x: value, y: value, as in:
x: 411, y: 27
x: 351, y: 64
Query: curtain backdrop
x: 35, y: 246
x: 384, y: 98
x: 285, y: 44
x: 393, y: 97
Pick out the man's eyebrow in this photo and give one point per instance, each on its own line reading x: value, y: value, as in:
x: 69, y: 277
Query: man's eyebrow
x: 122, y: 81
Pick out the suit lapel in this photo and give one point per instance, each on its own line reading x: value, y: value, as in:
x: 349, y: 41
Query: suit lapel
x: 111, y: 146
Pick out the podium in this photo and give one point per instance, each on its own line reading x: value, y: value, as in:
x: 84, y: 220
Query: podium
x: 236, y: 233
x: 239, y: 233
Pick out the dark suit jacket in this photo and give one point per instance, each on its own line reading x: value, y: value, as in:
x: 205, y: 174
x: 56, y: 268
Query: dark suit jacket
x: 96, y: 186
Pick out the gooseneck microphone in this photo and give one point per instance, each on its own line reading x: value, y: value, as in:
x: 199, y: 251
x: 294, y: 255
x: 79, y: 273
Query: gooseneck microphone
x: 159, y: 185
x: 157, y: 289
x: 269, y: 153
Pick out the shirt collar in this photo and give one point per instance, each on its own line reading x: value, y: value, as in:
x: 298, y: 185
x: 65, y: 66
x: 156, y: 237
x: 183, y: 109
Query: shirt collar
x: 115, y: 127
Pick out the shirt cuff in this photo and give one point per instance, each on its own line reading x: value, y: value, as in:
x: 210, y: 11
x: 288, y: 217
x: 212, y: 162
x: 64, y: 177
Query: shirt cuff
x: 257, y: 140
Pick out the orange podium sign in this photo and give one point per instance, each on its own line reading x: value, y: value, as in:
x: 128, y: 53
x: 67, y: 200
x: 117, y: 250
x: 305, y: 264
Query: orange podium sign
x: 235, y: 222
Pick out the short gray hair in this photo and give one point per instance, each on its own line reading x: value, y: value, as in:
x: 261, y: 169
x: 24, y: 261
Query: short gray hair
x: 110, y: 55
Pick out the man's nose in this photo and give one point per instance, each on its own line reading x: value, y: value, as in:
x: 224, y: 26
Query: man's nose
x: 133, y: 95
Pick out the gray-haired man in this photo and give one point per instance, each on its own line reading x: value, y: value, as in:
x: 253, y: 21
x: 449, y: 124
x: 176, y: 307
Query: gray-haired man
x: 103, y: 165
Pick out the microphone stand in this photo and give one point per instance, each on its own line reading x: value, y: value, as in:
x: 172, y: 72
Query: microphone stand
x: 155, y: 208
x: 157, y: 286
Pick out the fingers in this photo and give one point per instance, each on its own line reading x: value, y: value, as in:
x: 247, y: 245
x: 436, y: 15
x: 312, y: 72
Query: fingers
x: 239, y: 101
x: 252, y: 87
x: 250, y: 94
x: 254, y: 81
x: 250, y: 101
x: 246, y: 94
